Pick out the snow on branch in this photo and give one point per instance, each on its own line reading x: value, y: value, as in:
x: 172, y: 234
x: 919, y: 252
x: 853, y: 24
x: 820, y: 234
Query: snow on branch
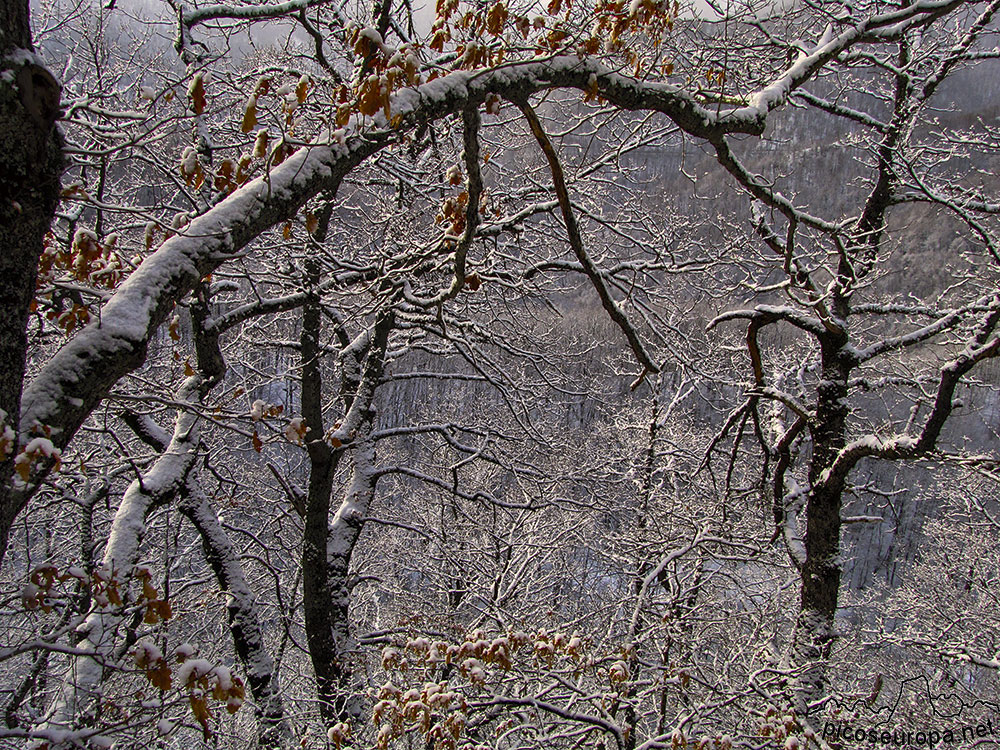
x: 244, y: 618
x: 577, y: 717
x: 258, y: 12
x: 767, y: 314
x: 76, y: 379
x: 885, y: 26
x: 983, y: 345
x: 157, y: 486
x: 908, y: 339
x: 613, y: 309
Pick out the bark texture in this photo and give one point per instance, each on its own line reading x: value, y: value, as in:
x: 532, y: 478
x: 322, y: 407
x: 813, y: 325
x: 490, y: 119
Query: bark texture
x: 30, y: 166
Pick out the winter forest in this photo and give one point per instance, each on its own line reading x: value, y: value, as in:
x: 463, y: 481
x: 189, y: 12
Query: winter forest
x: 499, y: 375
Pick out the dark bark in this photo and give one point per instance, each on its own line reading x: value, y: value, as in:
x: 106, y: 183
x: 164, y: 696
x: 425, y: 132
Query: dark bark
x: 15, y: 29
x: 323, y: 462
x: 613, y: 309
x: 326, y: 559
x: 30, y: 166
x: 871, y: 223
x: 345, y: 532
x: 815, y: 630
x: 820, y: 574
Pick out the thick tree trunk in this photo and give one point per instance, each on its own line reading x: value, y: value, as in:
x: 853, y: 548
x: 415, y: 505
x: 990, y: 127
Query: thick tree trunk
x: 30, y: 167
x: 820, y: 574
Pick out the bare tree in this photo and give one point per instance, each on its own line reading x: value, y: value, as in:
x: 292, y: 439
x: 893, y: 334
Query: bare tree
x: 413, y: 338
x: 833, y: 282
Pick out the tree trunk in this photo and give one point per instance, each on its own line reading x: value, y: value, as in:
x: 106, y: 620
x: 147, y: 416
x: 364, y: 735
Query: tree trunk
x: 343, y: 536
x: 244, y: 624
x: 323, y: 462
x: 30, y: 166
x: 820, y: 575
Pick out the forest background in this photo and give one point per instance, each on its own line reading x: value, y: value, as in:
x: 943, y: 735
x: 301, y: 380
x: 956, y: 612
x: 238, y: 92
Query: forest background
x: 497, y: 375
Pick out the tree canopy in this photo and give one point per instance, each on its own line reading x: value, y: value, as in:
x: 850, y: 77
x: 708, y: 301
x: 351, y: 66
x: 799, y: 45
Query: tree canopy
x: 497, y: 375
